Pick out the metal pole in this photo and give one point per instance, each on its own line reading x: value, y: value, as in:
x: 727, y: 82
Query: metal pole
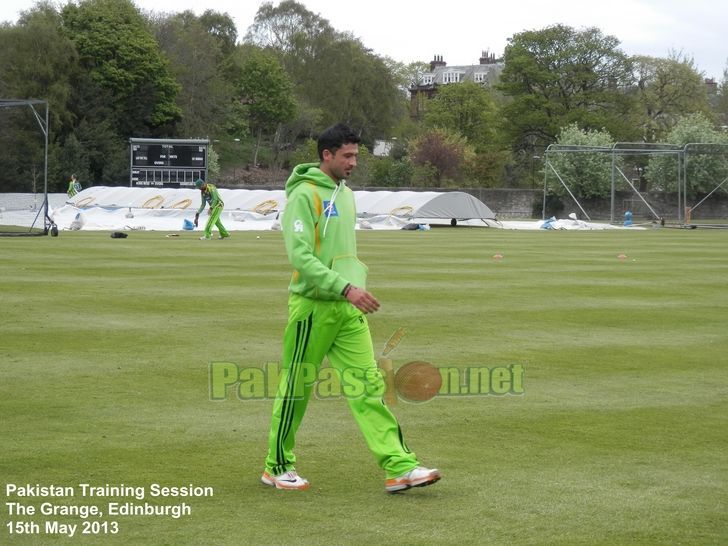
x: 611, y: 215
x: 639, y: 194
x: 43, y: 124
x: 543, y: 209
x: 681, y: 170
x: 711, y: 193
x: 45, y: 175
x: 685, y: 180
x: 571, y: 194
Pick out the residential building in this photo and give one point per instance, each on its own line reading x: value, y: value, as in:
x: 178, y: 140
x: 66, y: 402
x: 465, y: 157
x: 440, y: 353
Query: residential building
x: 486, y: 72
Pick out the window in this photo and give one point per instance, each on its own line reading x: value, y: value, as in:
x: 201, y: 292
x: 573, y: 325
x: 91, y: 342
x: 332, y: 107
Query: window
x: 451, y: 77
x: 480, y: 77
x: 427, y: 79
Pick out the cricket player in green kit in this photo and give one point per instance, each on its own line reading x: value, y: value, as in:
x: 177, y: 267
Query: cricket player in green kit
x: 212, y: 196
x: 327, y: 305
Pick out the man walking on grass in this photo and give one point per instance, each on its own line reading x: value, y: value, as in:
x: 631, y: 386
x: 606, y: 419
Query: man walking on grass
x: 327, y: 305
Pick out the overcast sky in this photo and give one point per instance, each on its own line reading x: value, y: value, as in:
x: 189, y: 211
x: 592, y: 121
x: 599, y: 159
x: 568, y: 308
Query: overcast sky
x: 459, y: 30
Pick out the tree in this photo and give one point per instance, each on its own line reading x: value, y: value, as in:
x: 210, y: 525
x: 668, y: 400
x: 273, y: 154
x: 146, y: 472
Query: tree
x: 666, y: 90
x: 265, y: 95
x: 443, y: 153
x: 213, y: 162
x: 306, y: 152
x: 123, y: 60
x: 222, y: 28
x: 407, y: 76
x: 706, y: 165
x: 586, y: 172
x: 331, y: 72
x: 288, y: 28
x: 388, y: 171
x: 355, y: 87
x: 469, y: 110
x: 197, y: 51
x: 67, y: 159
x: 558, y: 76
x: 466, y: 108
x: 721, y: 102
x: 97, y: 131
x: 36, y: 61
x: 362, y: 174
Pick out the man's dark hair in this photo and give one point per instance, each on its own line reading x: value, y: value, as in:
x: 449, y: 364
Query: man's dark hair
x: 335, y: 137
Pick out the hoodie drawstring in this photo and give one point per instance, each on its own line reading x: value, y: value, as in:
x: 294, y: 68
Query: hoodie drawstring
x: 331, y: 206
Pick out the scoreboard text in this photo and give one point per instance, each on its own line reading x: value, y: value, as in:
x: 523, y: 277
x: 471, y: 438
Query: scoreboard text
x: 167, y: 163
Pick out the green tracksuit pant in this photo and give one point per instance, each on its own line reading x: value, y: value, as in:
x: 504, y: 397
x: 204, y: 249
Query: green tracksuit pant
x: 337, y: 330
x: 214, y: 220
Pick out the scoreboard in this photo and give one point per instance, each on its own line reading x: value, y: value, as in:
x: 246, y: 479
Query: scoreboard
x: 167, y: 163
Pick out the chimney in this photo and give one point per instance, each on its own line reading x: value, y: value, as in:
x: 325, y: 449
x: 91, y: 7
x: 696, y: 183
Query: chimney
x: 487, y: 58
x: 437, y: 61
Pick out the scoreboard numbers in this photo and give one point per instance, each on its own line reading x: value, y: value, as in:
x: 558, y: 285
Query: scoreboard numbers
x: 167, y: 163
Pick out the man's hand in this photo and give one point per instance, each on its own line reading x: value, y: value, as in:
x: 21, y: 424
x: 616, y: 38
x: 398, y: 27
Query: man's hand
x: 197, y: 217
x: 362, y: 300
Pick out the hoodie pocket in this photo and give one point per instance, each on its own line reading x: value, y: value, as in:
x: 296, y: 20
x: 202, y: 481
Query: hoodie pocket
x: 351, y: 269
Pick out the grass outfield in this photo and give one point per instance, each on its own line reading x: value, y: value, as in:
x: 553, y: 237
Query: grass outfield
x: 619, y: 438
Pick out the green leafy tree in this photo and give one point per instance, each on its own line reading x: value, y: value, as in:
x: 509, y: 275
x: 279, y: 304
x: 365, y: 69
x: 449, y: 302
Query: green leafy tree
x: 36, y: 61
x: 387, y: 171
x: 71, y: 158
x: 306, y: 152
x: 558, y: 76
x: 198, y: 50
x: 265, y: 95
x: 124, y: 62
x: 98, y: 133
x: 408, y: 75
x: 288, y: 28
x: 587, y: 172
x: 466, y: 108
x: 707, y: 157
x: 22, y: 145
x: 379, y: 171
x: 307, y: 119
x: 401, y: 173
x: 469, y: 109
x: 488, y: 167
x: 358, y: 89
x: 222, y: 27
x: 332, y: 72
x: 666, y: 90
x: 361, y: 175
x: 213, y: 162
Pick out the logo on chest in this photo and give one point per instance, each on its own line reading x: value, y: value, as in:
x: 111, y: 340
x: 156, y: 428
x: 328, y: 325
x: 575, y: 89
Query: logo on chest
x: 332, y: 206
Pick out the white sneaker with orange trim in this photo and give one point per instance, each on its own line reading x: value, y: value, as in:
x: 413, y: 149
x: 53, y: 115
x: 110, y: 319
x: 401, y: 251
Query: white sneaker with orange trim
x: 417, y: 477
x: 287, y: 480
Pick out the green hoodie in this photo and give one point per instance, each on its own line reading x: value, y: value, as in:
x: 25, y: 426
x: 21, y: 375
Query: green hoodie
x: 318, y: 229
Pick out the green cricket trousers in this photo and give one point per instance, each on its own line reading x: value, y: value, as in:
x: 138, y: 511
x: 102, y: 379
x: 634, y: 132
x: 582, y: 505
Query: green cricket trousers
x: 339, y: 331
x: 214, y: 220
